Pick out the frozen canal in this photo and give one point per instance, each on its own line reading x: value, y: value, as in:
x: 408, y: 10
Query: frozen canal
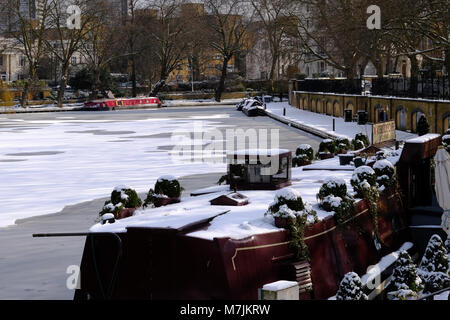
x: 57, y: 168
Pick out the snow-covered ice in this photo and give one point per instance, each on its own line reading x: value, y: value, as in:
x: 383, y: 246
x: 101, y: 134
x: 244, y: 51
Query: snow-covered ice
x: 49, y: 164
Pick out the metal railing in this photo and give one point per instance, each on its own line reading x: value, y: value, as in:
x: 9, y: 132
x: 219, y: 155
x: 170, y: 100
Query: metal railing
x: 343, y: 86
x: 422, y: 87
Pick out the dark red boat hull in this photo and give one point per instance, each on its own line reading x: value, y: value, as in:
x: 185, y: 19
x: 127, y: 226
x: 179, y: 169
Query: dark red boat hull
x: 168, y: 264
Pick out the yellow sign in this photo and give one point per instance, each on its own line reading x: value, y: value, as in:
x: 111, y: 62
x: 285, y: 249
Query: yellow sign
x: 382, y: 132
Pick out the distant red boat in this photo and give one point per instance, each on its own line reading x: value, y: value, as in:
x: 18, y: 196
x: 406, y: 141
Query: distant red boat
x: 122, y: 103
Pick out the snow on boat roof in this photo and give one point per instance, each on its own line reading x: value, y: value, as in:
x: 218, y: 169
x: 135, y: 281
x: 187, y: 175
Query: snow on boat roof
x: 172, y: 217
x: 424, y: 138
x: 212, y: 189
x: 279, y: 285
x: 240, y: 222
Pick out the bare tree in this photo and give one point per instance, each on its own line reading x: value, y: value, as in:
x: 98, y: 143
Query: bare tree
x: 168, y: 34
x: 431, y: 20
x: 333, y: 31
x: 276, y: 21
x: 228, y: 27
x: 198, y: 52
x: 64, y: 40
x: 131, y: 31
x: 99, y: 46
x: 29, y: 38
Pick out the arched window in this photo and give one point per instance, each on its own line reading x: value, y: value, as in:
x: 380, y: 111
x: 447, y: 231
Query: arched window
x: 446, y: 122
x: 329, y: 108
x: 415, y: 117
x: 377, y: 110
x: 337, y: 109
x: 401, y: 118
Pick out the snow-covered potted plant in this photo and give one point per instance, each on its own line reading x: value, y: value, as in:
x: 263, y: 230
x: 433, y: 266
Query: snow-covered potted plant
x: 406, y: 283
x: 287, y: 206
x: 167, y: 190
x: 360, y: 141
x: 327, y: 149
x: 350, y: 288
x: 385, y: 172
x: 303, y: 156
x: 362, y: 179
x: 364, y: 183
x: 333, y: 196
x: 343, y: 145
x: 332, y: 186
x: 292, y: 213
x: 434, y: 267
x: 124, y: 201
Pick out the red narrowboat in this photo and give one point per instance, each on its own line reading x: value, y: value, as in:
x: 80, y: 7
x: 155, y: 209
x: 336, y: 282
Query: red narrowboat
x: 122, y: 103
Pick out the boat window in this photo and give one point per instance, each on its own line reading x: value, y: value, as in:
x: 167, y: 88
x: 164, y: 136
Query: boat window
x: 255, y: 176
x: 283, y: 172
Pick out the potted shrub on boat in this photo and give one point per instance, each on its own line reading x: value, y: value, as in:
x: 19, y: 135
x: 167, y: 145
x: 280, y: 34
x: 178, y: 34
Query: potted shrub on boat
x: 332, y: 186
x: 292, y: 213
x: 327, y: 148
x: 288, y: 206
x: 343, y: 145
x: 124, y: 202
x: 333, y: 196
x: 360, y: 141
x: 167, y: 191
x: 385, y: 172
x: 304, y: 155
x: 363, y: 178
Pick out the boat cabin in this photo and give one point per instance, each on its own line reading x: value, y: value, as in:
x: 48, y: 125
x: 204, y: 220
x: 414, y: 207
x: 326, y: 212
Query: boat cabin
x: 259, y: 169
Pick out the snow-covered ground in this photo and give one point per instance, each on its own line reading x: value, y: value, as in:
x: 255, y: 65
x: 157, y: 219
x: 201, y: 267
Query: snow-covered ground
x: 324, y: 123
x: 46, y: 165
